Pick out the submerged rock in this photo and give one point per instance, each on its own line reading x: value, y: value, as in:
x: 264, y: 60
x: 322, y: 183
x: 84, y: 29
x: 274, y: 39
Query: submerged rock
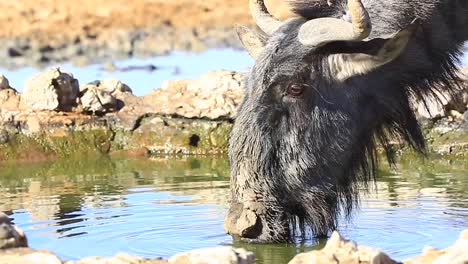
x: 51, y: 90
x: 339, y: 250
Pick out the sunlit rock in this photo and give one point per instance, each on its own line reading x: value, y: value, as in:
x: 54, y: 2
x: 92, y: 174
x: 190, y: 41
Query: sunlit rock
x: 96, y: 100
x: 104, y: 96
x: 113, y: 86
x: 53, y: 89
x: 10, y: 236
x: 217, y: 255
x: 339, y: 250
x: 215, y: 95
x: 456, y: 254
x: 29, y: 256
x: 216, y: 80
x: 9, y: 99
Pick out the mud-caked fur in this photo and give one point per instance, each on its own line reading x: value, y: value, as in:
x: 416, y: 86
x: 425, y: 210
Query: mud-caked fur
x: 305, y: 158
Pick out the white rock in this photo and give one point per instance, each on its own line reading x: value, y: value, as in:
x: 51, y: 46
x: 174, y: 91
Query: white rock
x: 214, y: 80
x: 51, y: 90
x: 458, y: 253
x: 39, y: 257
x: 94, y: 99
x: 113, y: 86
x: 117, y: 259
x: 216, y: 255
x: 340, y: 250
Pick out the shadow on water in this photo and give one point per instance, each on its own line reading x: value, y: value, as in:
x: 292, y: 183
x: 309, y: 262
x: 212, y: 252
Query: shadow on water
x: 159, y: 207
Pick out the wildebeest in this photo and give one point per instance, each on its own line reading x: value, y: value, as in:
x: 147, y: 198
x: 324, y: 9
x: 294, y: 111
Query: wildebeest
x: 326, y: 88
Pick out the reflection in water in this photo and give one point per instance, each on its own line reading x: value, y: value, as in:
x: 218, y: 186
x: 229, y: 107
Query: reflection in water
x: 156, y: 208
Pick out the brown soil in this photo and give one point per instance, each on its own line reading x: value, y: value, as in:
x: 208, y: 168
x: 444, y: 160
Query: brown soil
x: 56, y: 19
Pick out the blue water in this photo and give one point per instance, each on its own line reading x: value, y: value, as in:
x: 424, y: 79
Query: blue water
x: 177, y: 65
x: 157, y: 208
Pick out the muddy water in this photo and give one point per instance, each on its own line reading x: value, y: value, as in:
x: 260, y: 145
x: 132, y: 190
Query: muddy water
x: 156, y: 208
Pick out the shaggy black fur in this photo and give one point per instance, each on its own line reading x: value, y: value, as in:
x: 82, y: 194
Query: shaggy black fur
x: 304, y: 158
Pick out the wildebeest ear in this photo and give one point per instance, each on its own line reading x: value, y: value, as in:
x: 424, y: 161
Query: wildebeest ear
x: 253, y: 41
x: 355, y: 58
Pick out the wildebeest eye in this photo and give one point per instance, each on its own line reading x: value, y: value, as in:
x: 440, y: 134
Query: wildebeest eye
x: 295, y: 89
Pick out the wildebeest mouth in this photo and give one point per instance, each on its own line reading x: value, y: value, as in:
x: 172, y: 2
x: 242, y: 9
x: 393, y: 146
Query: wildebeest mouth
x: 252, y: 222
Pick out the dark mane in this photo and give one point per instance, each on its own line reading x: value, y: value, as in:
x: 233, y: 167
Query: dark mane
x: 317, y: 111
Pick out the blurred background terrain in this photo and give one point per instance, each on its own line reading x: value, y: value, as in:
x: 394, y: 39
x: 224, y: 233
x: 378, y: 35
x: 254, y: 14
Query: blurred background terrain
x: 68, y: 20
x: 97, y: 39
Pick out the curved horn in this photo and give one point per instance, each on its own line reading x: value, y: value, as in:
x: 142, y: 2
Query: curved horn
x: 321, y: 31
x: 263, y: 18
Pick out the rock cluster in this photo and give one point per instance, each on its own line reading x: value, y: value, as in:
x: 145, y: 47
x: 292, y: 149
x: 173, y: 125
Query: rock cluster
x: 182, y: 117
x: 57, y: 90
x: 339, y: 250
x: 102, y: 96
x: 186, y: 116
x: 215, y: 95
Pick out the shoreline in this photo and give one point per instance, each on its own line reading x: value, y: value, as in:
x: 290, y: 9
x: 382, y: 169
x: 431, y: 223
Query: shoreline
x: 57, y: 117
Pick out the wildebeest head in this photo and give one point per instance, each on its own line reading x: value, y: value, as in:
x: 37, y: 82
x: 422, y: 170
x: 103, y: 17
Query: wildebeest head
x: 305, y: 133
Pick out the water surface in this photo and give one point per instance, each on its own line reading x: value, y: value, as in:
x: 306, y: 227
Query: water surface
x: 177, y: 65
x: 156, y: 208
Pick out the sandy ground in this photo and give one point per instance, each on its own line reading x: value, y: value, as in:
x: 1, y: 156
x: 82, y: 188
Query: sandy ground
x: 47, y: 19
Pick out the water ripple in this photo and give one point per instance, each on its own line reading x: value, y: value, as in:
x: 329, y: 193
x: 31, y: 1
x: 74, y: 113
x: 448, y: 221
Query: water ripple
x: 172, y: 206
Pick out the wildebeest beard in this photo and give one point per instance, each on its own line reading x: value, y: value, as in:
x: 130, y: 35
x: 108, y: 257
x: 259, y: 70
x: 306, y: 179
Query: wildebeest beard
x: 298, y: 163
x: 302, y: 162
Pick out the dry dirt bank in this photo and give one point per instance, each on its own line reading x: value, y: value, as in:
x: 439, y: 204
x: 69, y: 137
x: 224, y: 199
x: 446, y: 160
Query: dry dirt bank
x: 48, y: 31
